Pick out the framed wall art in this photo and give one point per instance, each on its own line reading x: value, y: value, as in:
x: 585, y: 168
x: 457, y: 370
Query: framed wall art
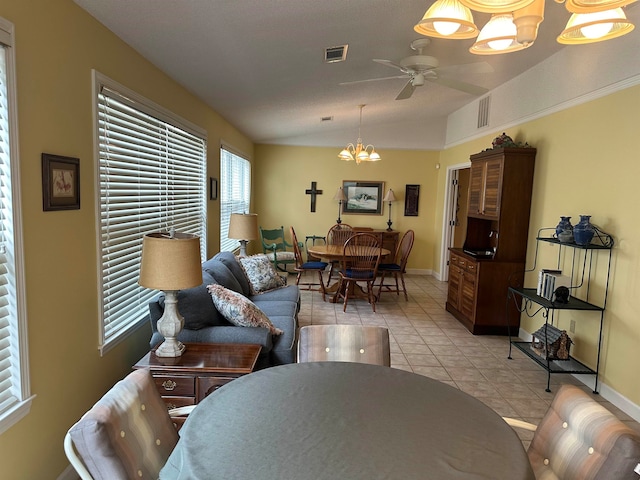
x: 60, y: 182
x: 213, y: 188
x: 411, y: 197
x: 363, y: 198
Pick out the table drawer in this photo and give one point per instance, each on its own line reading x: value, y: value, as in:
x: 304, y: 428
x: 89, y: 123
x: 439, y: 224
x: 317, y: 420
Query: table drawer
x: 208, y: 385
x: 175, y: 402
x: 175, y: 385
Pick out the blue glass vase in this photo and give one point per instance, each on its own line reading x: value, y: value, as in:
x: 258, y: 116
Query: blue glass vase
x: 564, y: 226
x: 583, y: 231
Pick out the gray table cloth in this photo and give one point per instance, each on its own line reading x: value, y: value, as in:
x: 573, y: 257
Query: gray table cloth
x: 352, y: 421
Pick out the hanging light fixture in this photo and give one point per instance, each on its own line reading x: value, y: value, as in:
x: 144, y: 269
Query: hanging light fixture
x: 359, y: 153
x: 591, y: 21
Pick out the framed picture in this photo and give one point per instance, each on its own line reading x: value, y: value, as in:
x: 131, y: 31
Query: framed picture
x: 60, y: 182
x: 213, y: 188
x: 411, y: 197
x: 363, y: 198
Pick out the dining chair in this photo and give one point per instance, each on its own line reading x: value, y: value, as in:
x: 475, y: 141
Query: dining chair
x: 398, y: 267
x: 344, y: 343
x: 275, y: 245
x: 337, y: 235
x: 310, y: 266
x: 360, y: 260
x: 580, y: 439
x: 127, y: 434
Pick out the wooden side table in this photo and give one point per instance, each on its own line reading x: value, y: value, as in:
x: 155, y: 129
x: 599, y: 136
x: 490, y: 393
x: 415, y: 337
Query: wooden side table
x: 202, y: 369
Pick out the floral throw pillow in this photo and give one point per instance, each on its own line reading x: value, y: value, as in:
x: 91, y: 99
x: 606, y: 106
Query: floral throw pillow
x: 239, y: 310
x: 261, y: 274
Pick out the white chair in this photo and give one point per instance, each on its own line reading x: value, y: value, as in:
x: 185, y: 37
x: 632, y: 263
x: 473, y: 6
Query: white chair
x: 580, y: 439
x: 344, y: 343
x: 127, y: 434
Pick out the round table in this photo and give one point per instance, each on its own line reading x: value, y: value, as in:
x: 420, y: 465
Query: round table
x: 335, y: 252
x: 338, y: 420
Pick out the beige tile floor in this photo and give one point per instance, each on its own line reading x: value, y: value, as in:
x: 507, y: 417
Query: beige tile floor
x: 427, y: 340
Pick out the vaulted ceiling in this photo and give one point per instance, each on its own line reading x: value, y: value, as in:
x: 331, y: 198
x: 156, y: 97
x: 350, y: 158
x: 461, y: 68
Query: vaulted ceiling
x: 260, y: 64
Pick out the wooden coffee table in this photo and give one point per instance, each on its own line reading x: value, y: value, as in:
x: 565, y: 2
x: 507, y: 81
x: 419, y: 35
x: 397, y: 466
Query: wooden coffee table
x: 202, y: 369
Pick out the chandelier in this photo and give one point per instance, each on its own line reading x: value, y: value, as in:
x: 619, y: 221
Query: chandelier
x: 359, y: 153
x: 514, y: 23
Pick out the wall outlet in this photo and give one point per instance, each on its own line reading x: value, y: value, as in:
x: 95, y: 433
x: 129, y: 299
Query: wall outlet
x: 572, y: 326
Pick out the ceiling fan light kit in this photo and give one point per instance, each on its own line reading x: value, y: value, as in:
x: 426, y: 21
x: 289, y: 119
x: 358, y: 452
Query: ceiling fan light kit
x: 591, y: 21
x: 359, y: 153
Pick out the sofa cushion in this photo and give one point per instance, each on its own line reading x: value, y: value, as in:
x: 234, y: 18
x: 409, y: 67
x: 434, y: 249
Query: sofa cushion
x: 290, y: 293
x: 195, y: 305
x: 239, y: 310
x: 230, y: 261
x: 261, y: 274
x: 222, y: 275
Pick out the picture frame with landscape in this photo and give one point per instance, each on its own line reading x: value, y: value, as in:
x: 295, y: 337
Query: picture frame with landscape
x: 363, y: 198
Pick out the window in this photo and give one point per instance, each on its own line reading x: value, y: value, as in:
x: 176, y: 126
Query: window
x: 15, y: 399
x: 151, y: 168
x: 235, y: 193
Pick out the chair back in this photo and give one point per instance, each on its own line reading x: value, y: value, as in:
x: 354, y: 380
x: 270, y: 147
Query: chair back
x: 579, y: 438
x: 273, y: 240
x: 339, y: 233
x: 127, y: 434
x: 344, y: 343
x: 361, y: 256
x: 296, y: 249
x: 404, y: 249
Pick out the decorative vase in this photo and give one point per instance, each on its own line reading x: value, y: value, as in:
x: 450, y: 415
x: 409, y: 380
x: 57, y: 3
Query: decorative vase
x: 564, y: 224
x: 583, y: 231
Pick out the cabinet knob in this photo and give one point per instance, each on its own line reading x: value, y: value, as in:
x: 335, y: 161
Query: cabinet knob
x: 169, y: 385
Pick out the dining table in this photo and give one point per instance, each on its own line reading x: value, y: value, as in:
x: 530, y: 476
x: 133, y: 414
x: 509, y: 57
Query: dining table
x: 343, y: 420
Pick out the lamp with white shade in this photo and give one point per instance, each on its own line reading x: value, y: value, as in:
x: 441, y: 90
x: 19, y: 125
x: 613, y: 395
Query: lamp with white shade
x: 389, y: 197
x: 243, y: 227
x: 340, y: 197
x: 170, y: 262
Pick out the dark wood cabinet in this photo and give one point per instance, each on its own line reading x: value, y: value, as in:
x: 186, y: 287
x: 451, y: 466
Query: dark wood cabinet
x: 494, y: 252
x: 389, y: 240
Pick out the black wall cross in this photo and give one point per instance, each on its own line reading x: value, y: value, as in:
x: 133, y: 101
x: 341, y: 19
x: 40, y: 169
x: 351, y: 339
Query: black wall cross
x: 313, y: 191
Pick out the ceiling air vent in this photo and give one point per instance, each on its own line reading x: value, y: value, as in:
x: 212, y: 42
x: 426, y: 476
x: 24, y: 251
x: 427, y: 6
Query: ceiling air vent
x: 335, y: 54
x: 483, y: 111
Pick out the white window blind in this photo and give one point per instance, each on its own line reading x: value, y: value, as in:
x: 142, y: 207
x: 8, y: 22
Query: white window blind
x: 235, y: 193
x: 151, y: 178
x: 14, y: 373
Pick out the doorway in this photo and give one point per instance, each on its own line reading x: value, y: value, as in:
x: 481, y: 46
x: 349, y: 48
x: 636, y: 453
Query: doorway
x: 454, y: 229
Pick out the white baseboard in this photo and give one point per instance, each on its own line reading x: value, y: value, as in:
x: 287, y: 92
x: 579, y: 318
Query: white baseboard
x: 606, y: 392
x: 420, y: 271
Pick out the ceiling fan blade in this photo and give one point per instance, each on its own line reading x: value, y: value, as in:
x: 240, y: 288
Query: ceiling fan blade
x: 406, y: 92
x: 458, y: 85
x: 372, y: 80
x: 388, y: 63
x: 466, y: 68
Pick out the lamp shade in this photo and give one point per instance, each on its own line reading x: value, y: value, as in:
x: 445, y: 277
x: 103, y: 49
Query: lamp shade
x: 243, y: 226
x: 389, y: 197
x: 340, y: 196
x: 170, y: 263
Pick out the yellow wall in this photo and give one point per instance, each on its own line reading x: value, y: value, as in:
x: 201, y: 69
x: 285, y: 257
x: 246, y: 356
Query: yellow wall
x: 57, y: 45
x: 587, y: 163
x: 282, y: 174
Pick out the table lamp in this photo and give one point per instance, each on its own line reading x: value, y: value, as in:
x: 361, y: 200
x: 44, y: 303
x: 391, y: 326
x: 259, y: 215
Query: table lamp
x: 243, y: 227
x: 170, y: 262
x: 389, y: 197
x: 341, y: 197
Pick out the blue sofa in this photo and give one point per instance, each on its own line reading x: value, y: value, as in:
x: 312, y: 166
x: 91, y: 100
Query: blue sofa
x: 203, y: 323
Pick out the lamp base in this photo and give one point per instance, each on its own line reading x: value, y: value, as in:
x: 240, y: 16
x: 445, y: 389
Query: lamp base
x: 169, y: 326
x: 389, y: 229
x: 243, y: 248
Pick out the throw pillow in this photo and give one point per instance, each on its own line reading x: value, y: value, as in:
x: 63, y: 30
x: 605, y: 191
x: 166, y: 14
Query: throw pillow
x: 239, y: 310
x: 261, y: 274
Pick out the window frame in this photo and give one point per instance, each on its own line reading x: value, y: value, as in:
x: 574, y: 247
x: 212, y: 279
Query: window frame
x: 20, y: 405
x: 148, y: 107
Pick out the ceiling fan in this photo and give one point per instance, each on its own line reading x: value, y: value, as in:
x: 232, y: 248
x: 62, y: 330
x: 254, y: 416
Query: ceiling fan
x: 420, y: 68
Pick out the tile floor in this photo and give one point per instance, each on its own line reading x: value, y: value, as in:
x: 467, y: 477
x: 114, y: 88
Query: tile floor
x: 427, y: 340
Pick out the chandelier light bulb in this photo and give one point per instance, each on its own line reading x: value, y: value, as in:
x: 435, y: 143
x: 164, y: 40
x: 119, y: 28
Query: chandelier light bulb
x: 498, y: 27
x: 599, y: 29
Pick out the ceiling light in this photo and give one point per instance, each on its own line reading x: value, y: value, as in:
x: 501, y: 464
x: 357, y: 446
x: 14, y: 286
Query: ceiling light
x: 595, y: 27
x: 447, y: 19
x: 592, y: 21
x: 359, y: 153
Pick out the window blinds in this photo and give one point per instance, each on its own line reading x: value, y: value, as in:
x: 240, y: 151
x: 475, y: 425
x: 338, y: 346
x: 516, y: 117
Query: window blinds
x: 151, y: 178
x: 235, y: 193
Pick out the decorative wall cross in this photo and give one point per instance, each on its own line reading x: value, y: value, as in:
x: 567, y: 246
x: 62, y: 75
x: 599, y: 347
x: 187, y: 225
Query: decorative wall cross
x: 313, y: 191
